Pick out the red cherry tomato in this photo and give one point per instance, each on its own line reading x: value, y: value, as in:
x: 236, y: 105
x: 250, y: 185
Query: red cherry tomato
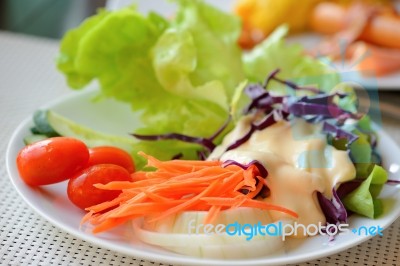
x: 83, y: 194
x: 51, y: 160
x: 111, y: 155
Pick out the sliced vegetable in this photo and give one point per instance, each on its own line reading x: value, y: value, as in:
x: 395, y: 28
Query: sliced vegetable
x: 185, y: 233
x: 261, y: 169
x: 360, y: 152
x: 178, y: 186
x: 93, y: 138
x: 339, y: 133
x: 361, y: 200
x: 326, y: 111
x: 207, y: 143
x: 42, y: 125
x: 333, y: 209
x: 34, y: 138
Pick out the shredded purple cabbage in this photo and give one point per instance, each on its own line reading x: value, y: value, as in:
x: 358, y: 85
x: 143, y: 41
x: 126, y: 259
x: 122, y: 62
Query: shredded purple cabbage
x: 314, y: 109
x: 322, y: 98
x: 205, y: 142
x: 270, y: 76
x: 208, y: 144
x: 268, y: 120
x: 392, y: 181
x: 221, y: 129
x: 263, y: 171
x: 177, y: 156
x: 348, y: 187
x: 301, y: 109
x: 333, y: 209
x: 261, y: 99
x: 290, y: 84
x: 201, y: 155
x: 339, y: 133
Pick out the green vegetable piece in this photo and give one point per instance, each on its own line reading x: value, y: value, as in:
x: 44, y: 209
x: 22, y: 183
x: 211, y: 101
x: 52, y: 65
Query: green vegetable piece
x: 379, y: 175
x: 163, y: 150
x: 378, y: 207
x: 180, y: 74
x: 365, y: 124
x: 34, y: 130
x: 340, y: 144
x: 34, y: 138
x: 215, y: 35
x: 362, y: 199
x: 42, y: 125
x: 361, y: 153
x: 348, y: 103
x: 375, y: 190
x: 70, y: 47
x: 274, y: 53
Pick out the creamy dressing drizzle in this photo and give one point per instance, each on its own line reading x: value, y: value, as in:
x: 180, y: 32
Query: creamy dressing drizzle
x: 299, y: 162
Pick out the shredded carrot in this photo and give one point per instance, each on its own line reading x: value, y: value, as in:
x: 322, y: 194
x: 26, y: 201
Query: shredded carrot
x: 212, y: 214
x: 258, y: 188
x: 176, y: 186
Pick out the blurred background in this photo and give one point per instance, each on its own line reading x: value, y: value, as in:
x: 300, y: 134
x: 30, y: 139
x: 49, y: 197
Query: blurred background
x: 46, y: 18
x: 52, y: 18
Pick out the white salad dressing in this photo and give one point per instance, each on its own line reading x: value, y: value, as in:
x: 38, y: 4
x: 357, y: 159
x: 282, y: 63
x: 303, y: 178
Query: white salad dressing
x: 299, y: 162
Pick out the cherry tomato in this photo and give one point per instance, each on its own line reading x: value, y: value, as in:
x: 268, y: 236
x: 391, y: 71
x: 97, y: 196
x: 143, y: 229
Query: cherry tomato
x: 51, y: 160
x: 83, y: 194
x: 111, y: 155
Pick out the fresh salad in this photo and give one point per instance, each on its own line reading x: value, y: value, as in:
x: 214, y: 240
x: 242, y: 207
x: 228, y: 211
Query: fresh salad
x: 264, y: 136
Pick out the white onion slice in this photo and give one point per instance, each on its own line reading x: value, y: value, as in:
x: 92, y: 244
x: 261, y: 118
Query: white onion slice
x: 173, y: 234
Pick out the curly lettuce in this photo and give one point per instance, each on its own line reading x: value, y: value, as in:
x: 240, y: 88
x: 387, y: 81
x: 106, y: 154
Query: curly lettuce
x: 274, y: 53
x: 364, y: 199
x: 180, y: 74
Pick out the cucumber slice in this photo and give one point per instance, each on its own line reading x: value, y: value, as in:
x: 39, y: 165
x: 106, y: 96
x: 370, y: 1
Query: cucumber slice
x: 34, y: 138
x: 42, y: 126
x: 68, y: 128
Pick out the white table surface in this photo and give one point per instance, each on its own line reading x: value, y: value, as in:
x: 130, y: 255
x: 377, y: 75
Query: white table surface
x: 28, y: 79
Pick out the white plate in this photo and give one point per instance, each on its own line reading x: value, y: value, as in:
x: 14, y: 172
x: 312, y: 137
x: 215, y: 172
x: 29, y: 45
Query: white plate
x: 52, y: 203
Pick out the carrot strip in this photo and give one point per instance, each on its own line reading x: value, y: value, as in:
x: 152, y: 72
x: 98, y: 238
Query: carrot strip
x: 146, y: 208
x: 255, y: 192
x: 176, y: 186
x: 212, y: 214
x: 186, y: 204
x: 120, y: 185
x: 154, y: 196
x: 247, y: 203
x: 111, y: 223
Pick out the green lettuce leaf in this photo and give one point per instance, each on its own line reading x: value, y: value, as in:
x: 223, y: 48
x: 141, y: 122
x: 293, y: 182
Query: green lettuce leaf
x: 69, y: 49
x: 179, y: 74
x: 361, y: 152
x: 363, y: 200
x: 215, y: 35
x: 275, y: 53
x: 182, y: 74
